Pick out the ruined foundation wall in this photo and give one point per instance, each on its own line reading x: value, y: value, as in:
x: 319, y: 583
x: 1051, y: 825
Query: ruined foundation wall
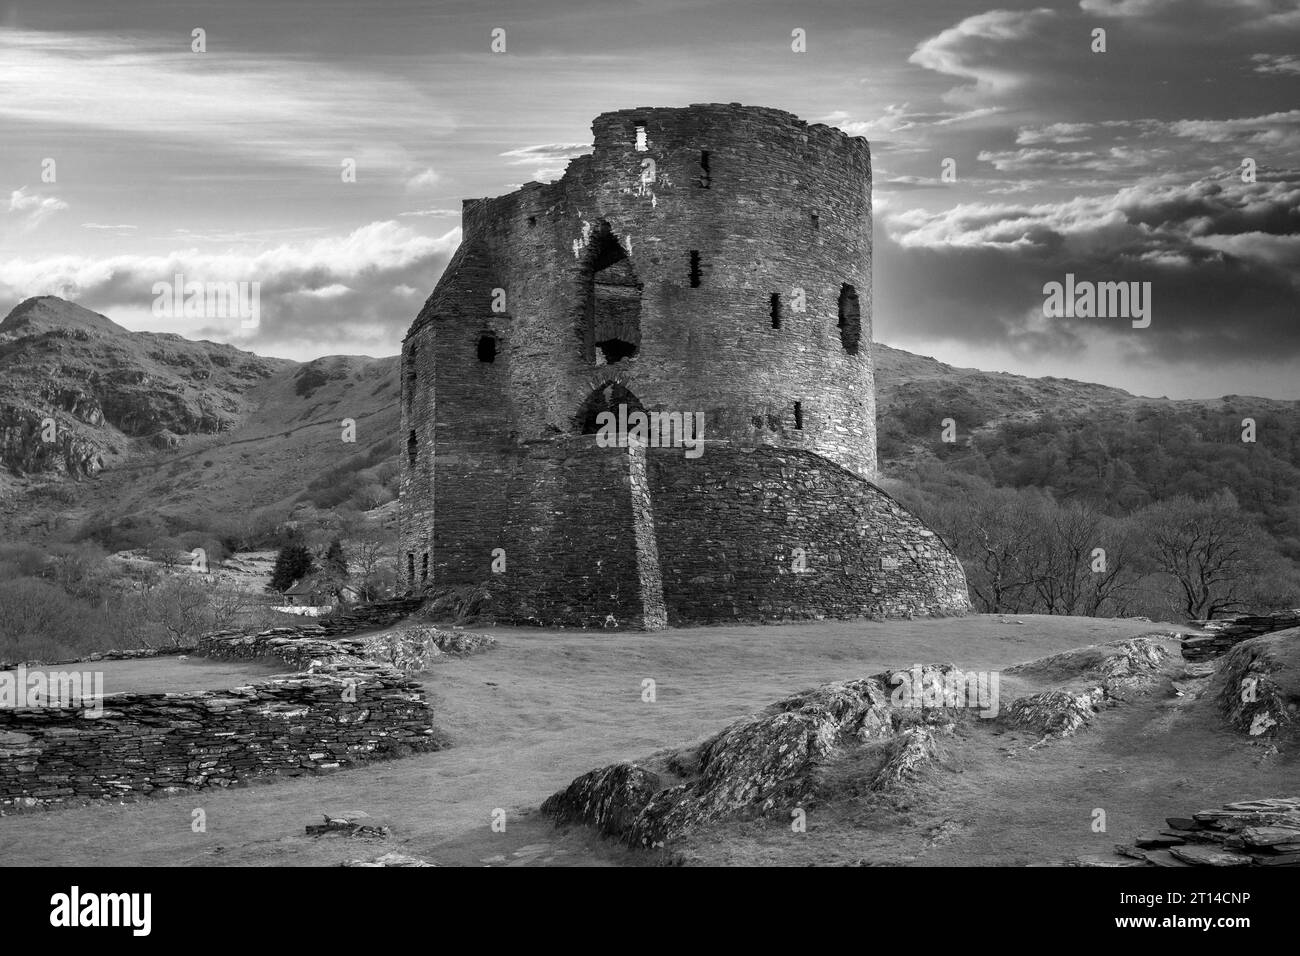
x: 147, y: 744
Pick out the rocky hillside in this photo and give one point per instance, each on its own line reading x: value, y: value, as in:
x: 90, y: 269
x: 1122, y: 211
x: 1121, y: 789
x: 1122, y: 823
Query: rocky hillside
x: 79, y: 393
x: 172, y: 428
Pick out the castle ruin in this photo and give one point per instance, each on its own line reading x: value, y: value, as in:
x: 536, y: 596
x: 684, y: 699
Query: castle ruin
x: 711, y: 262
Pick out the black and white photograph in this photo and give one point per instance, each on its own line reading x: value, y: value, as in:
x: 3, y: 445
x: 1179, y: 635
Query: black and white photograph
x: 678, y: 433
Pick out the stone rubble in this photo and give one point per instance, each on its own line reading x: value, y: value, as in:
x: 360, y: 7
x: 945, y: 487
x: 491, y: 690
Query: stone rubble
x: 339, y: 715
x: 1230, y: 631
x: 1247, y: 833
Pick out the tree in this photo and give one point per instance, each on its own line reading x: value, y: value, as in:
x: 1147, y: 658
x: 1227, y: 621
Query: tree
x: 292, y: 563
x: 1211, y: 550
x: 334, y: 567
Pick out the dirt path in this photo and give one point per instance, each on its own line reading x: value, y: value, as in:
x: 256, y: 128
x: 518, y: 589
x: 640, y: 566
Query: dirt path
x: 545, y: 706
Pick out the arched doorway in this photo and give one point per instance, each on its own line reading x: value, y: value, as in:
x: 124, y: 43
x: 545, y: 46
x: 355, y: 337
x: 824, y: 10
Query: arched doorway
x: 606, y: 398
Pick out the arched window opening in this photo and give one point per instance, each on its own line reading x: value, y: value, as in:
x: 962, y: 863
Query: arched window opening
x: 611, y: 307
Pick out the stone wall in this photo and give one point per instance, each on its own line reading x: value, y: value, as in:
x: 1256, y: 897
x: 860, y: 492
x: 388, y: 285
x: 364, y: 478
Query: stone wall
x: 597, y: 537
x: 1227, y: 632
x: 155, y: 744
x: 732, y: 524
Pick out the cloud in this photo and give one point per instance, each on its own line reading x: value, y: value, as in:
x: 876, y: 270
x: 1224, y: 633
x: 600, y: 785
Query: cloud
x: 354, y: 292
x: 283, y: 109
x: 555, y: 154
x: 1223, y: 258
x: 1279, y: 131
x: 31, y: 209
x: 102, y: 225
x: 1244, y: 14
x: 1286, y: 63
x: 1115, y: 159
x: 975, y: 49
x: 898, y: 118
x: 431, y: 212
x: 423, y: 180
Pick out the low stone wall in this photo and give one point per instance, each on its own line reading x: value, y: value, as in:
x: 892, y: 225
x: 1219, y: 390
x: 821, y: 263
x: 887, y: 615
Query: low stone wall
x: 114, y: 655
x: 297, y: 647
x: 154, y: 744
x: 1231, y: 631
x: 410, y: 649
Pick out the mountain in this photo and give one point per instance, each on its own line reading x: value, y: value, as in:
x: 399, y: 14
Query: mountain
x: 172, y: 428
x: 79, y: 393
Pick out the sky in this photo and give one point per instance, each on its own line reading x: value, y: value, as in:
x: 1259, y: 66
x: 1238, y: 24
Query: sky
x: 128, y: 157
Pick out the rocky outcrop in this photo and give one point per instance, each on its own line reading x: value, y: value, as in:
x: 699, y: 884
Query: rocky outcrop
x: 1231, y: 631
x: 1257, y: 686
x: 893, y: 724
x: 759, y: 764
x: 1109, y: 673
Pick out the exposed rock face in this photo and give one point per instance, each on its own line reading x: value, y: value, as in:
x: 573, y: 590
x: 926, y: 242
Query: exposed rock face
x: 1114, y: 670
x: 1230, y: 631
x: 76, y: 388
x: 1258, y: 685
x: 894, y: 722
x: 759, y: 764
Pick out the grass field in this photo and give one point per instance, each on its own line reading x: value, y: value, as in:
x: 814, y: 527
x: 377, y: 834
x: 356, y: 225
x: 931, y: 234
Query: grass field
x: 545, y: 706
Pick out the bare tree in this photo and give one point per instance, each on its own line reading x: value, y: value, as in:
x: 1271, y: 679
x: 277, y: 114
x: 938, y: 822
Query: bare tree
x: 1212, y: 551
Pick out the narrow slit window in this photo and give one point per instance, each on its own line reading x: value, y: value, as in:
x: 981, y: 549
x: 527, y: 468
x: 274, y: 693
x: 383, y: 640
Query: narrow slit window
x: 410, y: 567
x: 695, y: 269
x: 774, y: 307
x: 424, y: 567
x: 410, y: 378
x: 798, y: 415
x: 487, y: 349
x: 816, y: 222
x: 850, y: 323
x: 706, y: 177
x: 412, y: 447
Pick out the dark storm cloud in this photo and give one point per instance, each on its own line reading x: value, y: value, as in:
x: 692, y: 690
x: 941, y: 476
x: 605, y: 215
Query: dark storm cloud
x: 1223, y: 258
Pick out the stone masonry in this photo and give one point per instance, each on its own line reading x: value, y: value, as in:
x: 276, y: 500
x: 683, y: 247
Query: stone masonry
x: 713, y: 260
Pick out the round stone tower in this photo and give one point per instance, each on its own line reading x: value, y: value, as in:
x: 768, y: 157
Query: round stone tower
x: 711, y: 262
